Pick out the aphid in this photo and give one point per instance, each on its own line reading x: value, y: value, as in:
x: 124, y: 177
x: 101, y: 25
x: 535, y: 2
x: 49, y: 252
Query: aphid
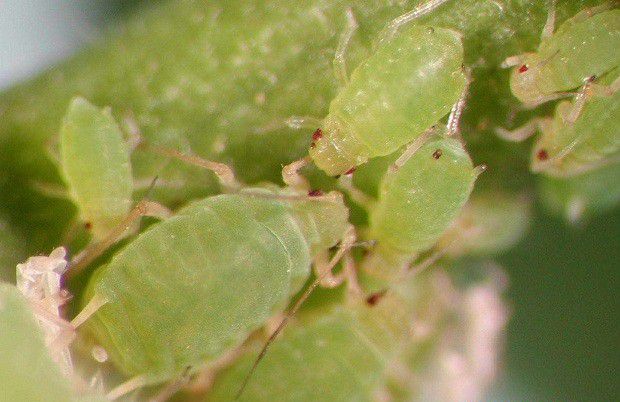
x: 334, y: 355
x: 419, y: 198
x: 408, y: 84
x: 490, y: 223
x: 194, y: 286
x: 580, y: 197
x: 95, y: 164
x: 584, y: 46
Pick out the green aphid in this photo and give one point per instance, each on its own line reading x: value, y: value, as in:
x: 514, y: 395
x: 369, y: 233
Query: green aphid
x: 194, y: 286
x: 95, y: 163
x: 578, y: 198
x: 420, y: 200
x: 584, y: 46
x: 335, y: 355
x: 407, y: 85
x: 568, y: 148
x: 490, y: 223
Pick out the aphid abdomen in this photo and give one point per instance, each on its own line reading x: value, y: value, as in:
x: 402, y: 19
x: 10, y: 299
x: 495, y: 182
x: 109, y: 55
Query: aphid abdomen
x: 406, y: 86
x: 192, y: 287
x: 577, y: 50
x: 418, y: 202
x: 568, y: 149
x: 96, y: 166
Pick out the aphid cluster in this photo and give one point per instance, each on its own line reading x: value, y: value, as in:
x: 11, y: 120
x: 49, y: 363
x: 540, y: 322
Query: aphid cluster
x: 193, y: 287
x: 578, y: 61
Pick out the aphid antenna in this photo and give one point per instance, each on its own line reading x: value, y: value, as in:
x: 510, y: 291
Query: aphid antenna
x: 550, y: 23
x: 340, y: 65
x: 292, y: 177
x: 345, y: 182
x: 411, y: 149
x: 94, y: 250
x: 454, y: 119
x: 224, y: 173
x: 419, y: 11
x: 127, y: 387
x: 345, y: 246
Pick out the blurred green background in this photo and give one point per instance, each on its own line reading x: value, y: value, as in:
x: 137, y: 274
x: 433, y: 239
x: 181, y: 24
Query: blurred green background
x: 563, y: 337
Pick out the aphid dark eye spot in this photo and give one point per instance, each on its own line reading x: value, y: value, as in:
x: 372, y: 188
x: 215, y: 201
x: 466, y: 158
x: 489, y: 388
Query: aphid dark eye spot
x: 317, y: 135
x: 315, y: 193
x: 542, y: 155
x: 437, y: 154
x: 374, y: 298
x: 430, y: 30
x: 350, y: 171
x: 523, y: 68
x: 313, y: 145
x: 88, y: 225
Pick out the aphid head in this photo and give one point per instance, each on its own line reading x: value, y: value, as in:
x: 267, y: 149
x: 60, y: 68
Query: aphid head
x: 524, y: 81
x: 323, y: 218
x: 334, y: 149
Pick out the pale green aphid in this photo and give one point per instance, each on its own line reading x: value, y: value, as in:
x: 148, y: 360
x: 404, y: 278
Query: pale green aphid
x: 491, y: 222
x: 582, y: 47
x: 194, y: 286
x: 580, y: 197
x: 568, y: 148
x: 95, y: 164
x: 27, y: 372
x: 403, y: 88
x: 335, y: 355
x: 418, y: 201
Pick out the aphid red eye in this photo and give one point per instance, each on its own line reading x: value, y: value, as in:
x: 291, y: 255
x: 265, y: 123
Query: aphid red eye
x: 88, y: 225
x: 437, y: 154
x: 350, y: 171
x: 315, y: 193
x: 542, y: 155
x: 523, y: 68
x: 374, y: 298
x: 317, y: 135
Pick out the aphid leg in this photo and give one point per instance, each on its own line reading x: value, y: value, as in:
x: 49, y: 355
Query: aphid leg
x: 512, y: 61
x: 589, y: 12
x: 51, y: 190
x: 345, y: 245
x: 411, y: 149
x: 91, y: 308
x: 172, y: 388
x: 93, y: 251
x: 127, y: 387
x: 421, y: 10
x: 350, y: 274
x: 223, y: 172
x: 520, y: 133
x: 340, y: 64
x: 580, y: 100
x: 453, y: 127
x: 292, y: 177
x: 300, y: 122
x: 550, y: 23
x: 345, y: 182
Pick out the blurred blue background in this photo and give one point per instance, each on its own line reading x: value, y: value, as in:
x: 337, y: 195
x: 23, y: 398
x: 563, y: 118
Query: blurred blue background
x: 563, y: 337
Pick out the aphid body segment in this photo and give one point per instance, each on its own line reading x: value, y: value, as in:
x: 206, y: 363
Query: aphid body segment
x: 583, y: 46
x: 194, y: 286
x: 405, y: 87
x: 96, y: 166
x: 419, y: 201
x: 568, y: 148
